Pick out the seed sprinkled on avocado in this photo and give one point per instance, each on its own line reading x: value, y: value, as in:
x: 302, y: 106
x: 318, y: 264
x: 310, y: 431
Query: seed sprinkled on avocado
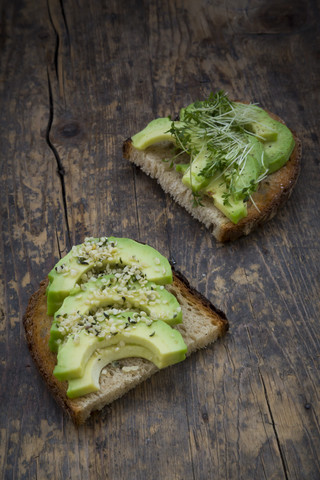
x: 130, y: 302
x: 101, y: 323
x: 108, y: 307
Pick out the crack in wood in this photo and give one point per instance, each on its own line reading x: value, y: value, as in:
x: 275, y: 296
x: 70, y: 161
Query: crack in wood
x: 282, y: 456
x: 57, y: 61
x: 60, y: 169
x: 57, y: 45
x: 58, y: 243
x: 65, y: 21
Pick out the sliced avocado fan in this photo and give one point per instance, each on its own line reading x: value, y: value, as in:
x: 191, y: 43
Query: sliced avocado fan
x: 228, y: 140
x: 97, y: 253
x: 173, y: 352
x: 165, y: 345
x: 101, y: 317
x: 108, y: 290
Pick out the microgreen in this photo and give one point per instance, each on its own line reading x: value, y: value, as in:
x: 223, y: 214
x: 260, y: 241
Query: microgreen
x: 219, y: 126
x: 197, y: 200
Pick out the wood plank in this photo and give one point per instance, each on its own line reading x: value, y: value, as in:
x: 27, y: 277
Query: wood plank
x: 31, y: 228
x: 77, y: 78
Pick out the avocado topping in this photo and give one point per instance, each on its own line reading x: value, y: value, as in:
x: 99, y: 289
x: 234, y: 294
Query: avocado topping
x: 156, y: 131
x: 110, y: 310
x: 103, y: 255
x: 162, y: 354
x: 232, y: 147
x: 166, y: 344
x: 122, y: 291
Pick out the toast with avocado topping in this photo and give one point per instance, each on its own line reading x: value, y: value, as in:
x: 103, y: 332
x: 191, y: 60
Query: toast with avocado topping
x: 230, y: 165
x: 117, y: 324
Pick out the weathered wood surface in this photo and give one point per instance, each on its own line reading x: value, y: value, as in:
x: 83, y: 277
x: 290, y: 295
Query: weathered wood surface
x: 79, y: 77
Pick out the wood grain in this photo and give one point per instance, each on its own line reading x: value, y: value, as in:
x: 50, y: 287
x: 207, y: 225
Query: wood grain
x: 76, y: 79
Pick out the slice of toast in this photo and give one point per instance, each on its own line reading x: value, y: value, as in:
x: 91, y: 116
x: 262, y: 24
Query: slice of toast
x: 202, y: 324
x: 272, y: 192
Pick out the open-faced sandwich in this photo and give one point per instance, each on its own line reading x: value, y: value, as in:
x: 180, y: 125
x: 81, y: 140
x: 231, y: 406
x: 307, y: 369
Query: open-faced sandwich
x: 230, y: 164
x: 111, y: 313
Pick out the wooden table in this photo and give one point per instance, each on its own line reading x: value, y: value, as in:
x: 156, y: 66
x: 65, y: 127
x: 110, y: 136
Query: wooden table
x: 77, y: 78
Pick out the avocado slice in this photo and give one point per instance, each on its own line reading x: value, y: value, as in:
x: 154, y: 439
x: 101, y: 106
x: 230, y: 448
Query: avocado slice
x: 151, y: 298
x: 156, y: 131
x: 234, y: 208
x: 162, y: 354
x: 277, y: 140
x: 277, y: 153
x: 165, y: 343
x: 97, y: 253
x: 90, y: 381
x: 192, y: 177
x: 250, y: 172
x: 182, y: 167
x: 263, y: 126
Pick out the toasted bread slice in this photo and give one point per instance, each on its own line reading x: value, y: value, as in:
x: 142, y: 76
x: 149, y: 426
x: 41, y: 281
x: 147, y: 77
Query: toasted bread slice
x: 202, y: 324
x: 272, y: 192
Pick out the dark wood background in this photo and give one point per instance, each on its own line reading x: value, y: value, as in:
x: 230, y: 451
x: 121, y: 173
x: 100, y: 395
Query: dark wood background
x: 78, y: 77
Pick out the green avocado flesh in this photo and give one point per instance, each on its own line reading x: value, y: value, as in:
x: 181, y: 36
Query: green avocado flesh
x: 277, y: 153
x: 263, y: 126
x: 90, y: 380
x: 165, y: 344
x: 250, y: 171
x: 267, y: 146
x: 96, y: 254
x: 153, y: 299
x: 104, y: 317
x: 182, y: 167
x: 234, y: 209
x: 160, y: 352
x: 192, y: 177
x: 155, y: 132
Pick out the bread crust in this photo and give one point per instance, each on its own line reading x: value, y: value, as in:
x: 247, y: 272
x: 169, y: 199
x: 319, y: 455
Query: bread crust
x: 273, y: 192
x: 210, y: 324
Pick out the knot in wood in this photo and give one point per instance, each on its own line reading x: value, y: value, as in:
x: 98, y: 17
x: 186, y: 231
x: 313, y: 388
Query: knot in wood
x: 70, y: 129
x: 283, y: 17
